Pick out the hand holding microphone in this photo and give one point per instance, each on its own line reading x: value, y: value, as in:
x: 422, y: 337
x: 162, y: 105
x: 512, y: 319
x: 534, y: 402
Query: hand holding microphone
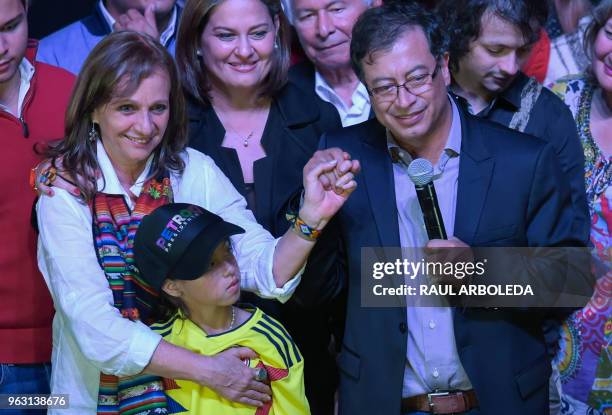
x: 421, y: 173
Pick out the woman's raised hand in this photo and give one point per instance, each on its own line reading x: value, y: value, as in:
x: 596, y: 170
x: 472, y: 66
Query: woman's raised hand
x: 329, y: 179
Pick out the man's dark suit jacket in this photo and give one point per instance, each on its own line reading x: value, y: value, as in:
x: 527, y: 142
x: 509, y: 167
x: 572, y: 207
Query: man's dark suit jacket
x: 290, y: 137
x: 511, y: 192
x: 552, y: 121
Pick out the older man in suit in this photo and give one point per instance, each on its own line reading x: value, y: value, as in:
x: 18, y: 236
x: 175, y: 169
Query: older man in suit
x: 324, y: 30
x: 496, y: 187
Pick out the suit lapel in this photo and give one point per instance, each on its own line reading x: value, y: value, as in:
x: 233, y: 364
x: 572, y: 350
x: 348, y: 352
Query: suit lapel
x: 285, y: 141
x: 380, y: 185
x: 266, y: 170
x: 207, y: 137
x: 475, y: 172
x: 372, y: 114
x: 284, y: 167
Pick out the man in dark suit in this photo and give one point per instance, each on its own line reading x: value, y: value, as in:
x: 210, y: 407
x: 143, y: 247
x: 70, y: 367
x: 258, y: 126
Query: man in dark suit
x: 495, y: 187
x: 491, y: 41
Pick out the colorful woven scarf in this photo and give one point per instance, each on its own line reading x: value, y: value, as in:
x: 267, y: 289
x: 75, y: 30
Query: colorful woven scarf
x: 114, y: 228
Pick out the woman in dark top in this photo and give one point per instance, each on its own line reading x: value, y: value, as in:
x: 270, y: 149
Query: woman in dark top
x: 260, y: 130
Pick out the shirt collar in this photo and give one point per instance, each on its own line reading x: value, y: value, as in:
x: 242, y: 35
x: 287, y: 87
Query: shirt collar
x: 169, y: 32
x: 27, y: 70
x: 510, y: 96
x: 360, y: 96
x: 110, y: 20
x: 109, y: 183
x: 26, y: 73
x: 163, y: 37
x: 453, y: 142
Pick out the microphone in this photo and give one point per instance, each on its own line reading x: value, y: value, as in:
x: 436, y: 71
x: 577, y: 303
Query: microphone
x: 421, y: 173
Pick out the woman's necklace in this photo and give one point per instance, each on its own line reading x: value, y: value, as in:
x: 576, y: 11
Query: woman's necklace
x: 209, y: 330
x: 242, y: 137
x: 233, y: 319
x: 247, y: 138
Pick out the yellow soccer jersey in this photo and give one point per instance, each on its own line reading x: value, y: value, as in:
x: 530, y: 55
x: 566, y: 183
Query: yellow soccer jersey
x: 278, y: 354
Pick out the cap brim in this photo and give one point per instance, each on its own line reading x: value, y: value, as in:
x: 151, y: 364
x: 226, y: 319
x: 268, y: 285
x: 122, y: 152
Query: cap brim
x: 196, y: 259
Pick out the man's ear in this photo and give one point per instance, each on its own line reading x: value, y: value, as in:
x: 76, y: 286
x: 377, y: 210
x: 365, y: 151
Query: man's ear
x: 172, y: 288
x: 444, y: 69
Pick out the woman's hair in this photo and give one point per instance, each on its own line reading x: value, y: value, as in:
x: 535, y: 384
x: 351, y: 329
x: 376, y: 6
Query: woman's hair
x: 601, y: 15
x: 195, y: 79
x: 167, y: 306
x: 115, y: 68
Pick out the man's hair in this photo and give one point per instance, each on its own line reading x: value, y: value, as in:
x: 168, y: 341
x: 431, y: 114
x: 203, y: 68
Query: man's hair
x: 194, y: 75
x: 380, y: 27
x: 464, y: 17
x: 601, y: 14
x: 288, y: 9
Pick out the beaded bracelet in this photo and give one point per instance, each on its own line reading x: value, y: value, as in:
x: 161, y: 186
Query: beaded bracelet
x: 303, y: 230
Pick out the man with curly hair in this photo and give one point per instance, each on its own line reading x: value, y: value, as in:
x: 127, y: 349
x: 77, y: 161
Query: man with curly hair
x: 490, y: 40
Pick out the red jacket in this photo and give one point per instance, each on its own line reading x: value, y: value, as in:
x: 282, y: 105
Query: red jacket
x: 26, y: 309
x: 537, y: 64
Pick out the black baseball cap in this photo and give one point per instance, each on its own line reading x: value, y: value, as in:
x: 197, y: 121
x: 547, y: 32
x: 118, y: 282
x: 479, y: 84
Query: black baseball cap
x: 177, y: 241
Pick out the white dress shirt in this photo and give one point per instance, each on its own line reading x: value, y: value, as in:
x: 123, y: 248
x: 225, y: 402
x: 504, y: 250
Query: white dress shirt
x: 432, y: 361
x: 163, y: 37
x: 357, y: 113
x: 26, y: 72
x: 89, y: 333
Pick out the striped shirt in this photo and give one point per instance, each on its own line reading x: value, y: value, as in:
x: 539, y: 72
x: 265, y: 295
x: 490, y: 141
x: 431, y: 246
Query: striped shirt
x: 278, y: 354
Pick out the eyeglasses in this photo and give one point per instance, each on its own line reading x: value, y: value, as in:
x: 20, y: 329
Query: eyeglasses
x: 416, y: 85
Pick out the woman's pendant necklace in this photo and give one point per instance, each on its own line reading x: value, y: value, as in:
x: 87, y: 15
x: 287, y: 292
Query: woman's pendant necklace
x: 247, y: 138
x: 231, y: 326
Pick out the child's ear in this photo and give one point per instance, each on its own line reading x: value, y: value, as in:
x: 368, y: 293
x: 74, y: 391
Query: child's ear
x: 172, y: 288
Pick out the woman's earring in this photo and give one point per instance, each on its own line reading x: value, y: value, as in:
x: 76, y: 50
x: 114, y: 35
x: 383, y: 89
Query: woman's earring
x: 93, y: 133
x: 198, y: 52
x: 276, y: 42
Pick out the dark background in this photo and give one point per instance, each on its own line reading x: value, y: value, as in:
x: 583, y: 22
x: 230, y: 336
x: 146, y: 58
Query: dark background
x: 47, y: 16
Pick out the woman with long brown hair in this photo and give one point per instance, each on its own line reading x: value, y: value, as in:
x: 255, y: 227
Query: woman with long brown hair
x: 261, y: 130
x: 125, y: 148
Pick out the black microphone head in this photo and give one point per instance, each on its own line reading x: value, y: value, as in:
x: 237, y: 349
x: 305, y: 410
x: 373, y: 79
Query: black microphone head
x: 420, y: 171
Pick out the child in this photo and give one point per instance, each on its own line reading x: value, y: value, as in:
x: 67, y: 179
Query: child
x: 183, y: 252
